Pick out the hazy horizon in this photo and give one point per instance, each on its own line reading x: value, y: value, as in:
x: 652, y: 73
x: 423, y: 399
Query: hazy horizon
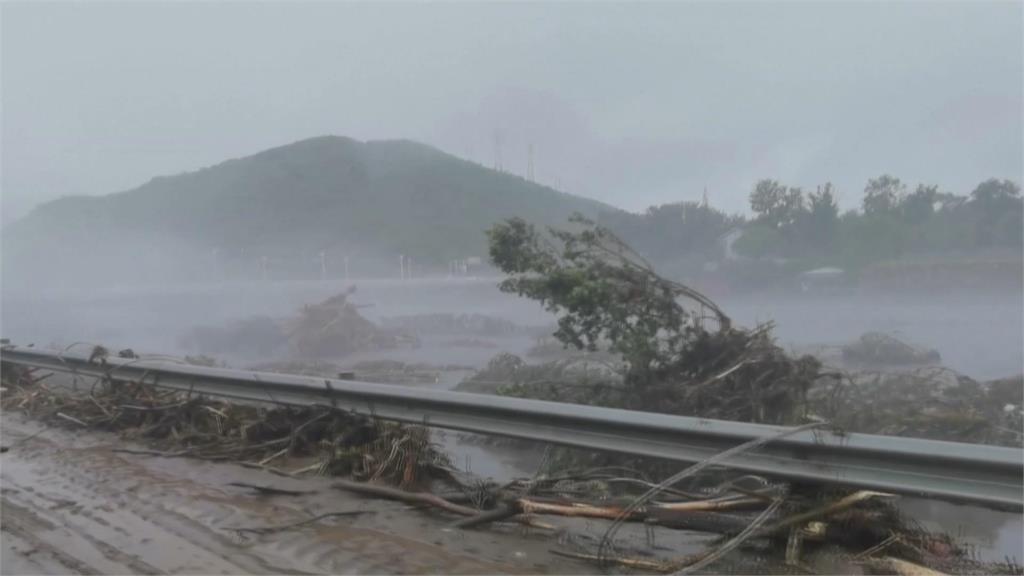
x: 631, y: 105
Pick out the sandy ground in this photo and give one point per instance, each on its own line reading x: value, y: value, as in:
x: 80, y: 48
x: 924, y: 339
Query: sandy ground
x: 71, y: 505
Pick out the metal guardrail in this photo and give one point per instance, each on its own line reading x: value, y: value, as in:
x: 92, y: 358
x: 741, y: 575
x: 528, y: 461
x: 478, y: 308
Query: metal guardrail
x: 988, y: 475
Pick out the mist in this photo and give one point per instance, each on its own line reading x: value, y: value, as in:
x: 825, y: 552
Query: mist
x: 761, y: 212
x: 631, y: 105
x: 172, y: 105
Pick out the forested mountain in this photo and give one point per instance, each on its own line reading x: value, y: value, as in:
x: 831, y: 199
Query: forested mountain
x: 367, y: 200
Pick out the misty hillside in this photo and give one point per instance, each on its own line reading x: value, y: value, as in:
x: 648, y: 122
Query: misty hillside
x: 365, y: 199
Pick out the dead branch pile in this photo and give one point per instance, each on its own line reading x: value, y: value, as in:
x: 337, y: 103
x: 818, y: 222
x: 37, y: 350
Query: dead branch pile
x: 934, y: 403
x: 734, y: 374
x: 335, y: 327
x: 322, y: 440
x: 332, y: 328
x: 606, y: 295
x: 573, y: 380
x: 758, y: 526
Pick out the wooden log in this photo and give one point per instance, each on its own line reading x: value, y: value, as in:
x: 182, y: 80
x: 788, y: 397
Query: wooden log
x: 573, y: 509
x: 822, y: 511
x: 730, y: 503
x: 502, y: 512
x: 714, y: 522
x: 424, y: 498
x: 890, y: 565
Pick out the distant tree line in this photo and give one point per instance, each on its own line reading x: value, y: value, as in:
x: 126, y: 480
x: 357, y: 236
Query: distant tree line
x: 892, y: 221
x: 666, y: 232
x: 791, y: 223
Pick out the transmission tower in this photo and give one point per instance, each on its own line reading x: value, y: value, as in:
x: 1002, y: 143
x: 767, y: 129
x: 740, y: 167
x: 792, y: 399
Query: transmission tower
x: 497, y: 151
x: 529, y: 162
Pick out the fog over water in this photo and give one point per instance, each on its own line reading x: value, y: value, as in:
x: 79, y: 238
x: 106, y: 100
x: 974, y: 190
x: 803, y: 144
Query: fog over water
x: 980, y: 337
x: 834, y: 168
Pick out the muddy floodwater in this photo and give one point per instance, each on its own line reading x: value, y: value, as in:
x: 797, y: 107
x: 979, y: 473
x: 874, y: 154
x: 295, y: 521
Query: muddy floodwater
x: 70, y: 504
x: 982, y: 337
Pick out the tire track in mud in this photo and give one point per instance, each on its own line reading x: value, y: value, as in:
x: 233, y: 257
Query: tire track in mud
x: 96, y: 511
x: 95, y: 508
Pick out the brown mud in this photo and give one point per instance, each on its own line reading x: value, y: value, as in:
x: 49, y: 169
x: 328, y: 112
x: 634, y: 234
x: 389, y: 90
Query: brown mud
x: 72, y: 505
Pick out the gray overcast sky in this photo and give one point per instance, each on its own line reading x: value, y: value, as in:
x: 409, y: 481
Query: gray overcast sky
x: 631, y: 104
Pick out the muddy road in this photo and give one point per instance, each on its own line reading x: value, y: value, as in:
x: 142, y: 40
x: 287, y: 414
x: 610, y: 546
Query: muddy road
x: 72, y: 505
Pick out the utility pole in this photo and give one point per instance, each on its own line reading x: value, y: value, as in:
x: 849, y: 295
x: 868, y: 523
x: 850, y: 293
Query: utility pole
x: 401, y: 266
x: 323, y: 266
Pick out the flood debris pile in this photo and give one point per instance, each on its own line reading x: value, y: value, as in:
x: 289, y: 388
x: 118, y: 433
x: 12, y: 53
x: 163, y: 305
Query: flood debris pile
x: 677, y: 352
x: 569, y: 380
x: 754, y: 525
x: 933, y: 403
x: 688, y: 359
x: 333, y: 328
x: 281, y: 439
x: 879, y: 349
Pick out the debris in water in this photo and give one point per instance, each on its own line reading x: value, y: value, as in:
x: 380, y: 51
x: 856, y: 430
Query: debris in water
x: 878, y: 349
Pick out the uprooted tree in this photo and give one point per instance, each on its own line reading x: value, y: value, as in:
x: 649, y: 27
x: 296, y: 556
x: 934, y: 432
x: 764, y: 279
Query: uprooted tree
x: 680, y: 354
x: 607, y: 295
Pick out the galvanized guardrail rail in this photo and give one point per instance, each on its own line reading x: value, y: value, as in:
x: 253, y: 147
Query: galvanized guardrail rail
x: 989, y: 475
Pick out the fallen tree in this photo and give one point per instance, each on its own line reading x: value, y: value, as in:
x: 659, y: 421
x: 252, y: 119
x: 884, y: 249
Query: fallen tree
x: 607, y: 296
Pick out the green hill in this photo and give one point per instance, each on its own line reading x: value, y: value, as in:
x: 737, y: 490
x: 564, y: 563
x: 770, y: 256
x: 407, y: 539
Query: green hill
x: 363, y: 199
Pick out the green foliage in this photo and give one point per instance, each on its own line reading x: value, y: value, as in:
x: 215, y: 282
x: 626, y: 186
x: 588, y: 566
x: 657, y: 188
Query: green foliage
x: 883, y: 195
x: 819, y: 225
x: 605, y: 294
x: 759, y: 241
x: 996, y: 206
x: 671, y: 231
x: 892, y: 224
x: 919, y: 206
x: 869, y: 238
x: 775, y: 204
x: 993, y: 194
x: 608, y: 293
